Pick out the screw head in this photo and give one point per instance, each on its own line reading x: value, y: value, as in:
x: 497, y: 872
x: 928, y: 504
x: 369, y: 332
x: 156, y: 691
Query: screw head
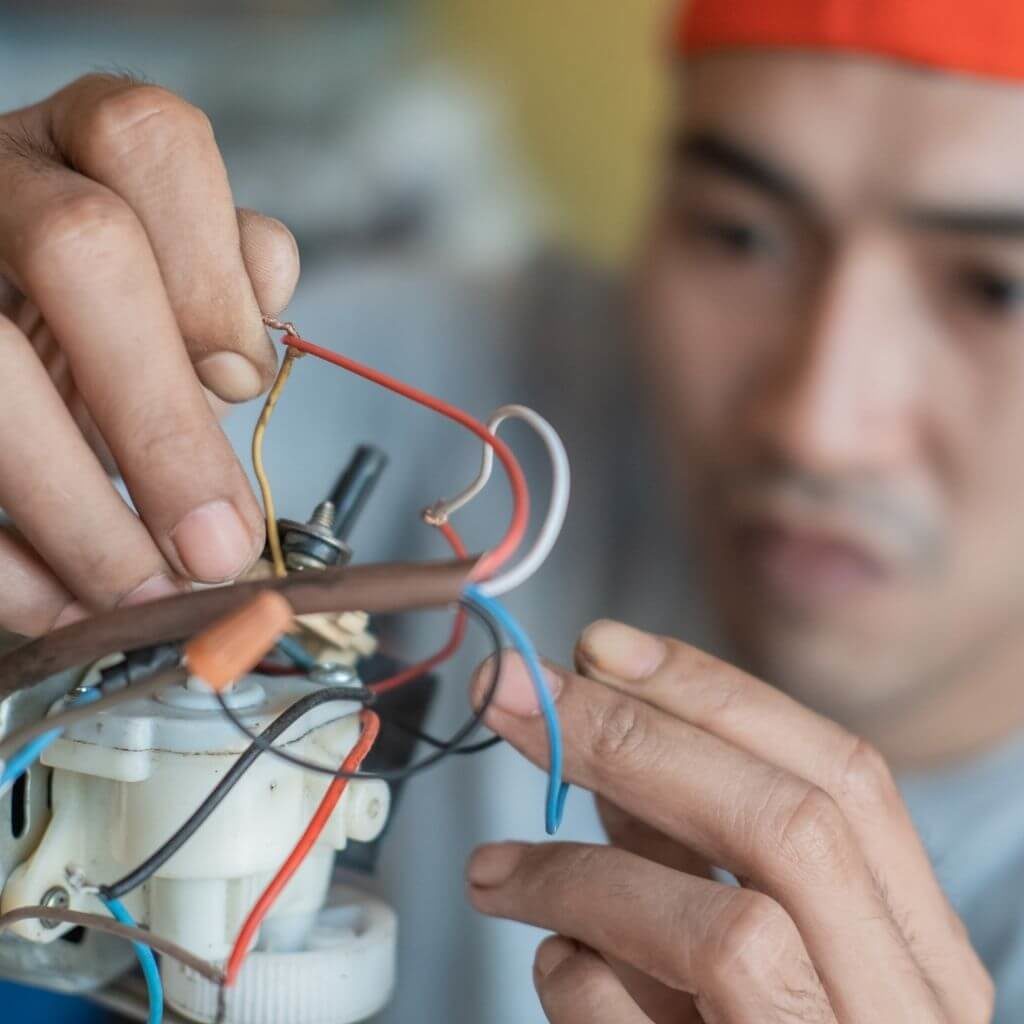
x: 55, y: 898
x: 333, y: 674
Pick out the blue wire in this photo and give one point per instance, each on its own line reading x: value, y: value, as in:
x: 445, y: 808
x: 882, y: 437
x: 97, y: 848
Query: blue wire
x: 27, y: 756
x: 296, y: 653
x: 558, y: 790
x: 150, y: 970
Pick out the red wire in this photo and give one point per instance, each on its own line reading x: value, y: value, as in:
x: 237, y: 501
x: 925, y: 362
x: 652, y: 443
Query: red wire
x: 371, y: 726
x: 496, y: 557
x: 458, y: 633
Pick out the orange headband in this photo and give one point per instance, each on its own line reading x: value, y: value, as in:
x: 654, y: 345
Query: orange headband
x: 983, y: 37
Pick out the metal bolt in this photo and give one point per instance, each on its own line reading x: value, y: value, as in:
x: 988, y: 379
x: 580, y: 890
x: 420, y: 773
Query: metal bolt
x: 340, y: 677
x: 312, y: 545
x: 56, y: 898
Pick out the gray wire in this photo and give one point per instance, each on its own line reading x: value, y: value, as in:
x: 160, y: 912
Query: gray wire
x: 12, y: 743
x: 112, y: 927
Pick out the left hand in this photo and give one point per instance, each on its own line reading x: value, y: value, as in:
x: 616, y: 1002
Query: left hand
x: 838, y: 919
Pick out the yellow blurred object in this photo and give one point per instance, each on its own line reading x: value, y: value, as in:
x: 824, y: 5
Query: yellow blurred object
x: 584, y: 81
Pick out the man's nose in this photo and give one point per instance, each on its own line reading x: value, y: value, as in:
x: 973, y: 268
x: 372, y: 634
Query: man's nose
x: 842, y: 392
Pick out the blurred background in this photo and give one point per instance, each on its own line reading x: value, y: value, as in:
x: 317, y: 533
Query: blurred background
x: 405, y: 101
x: 466, y: 180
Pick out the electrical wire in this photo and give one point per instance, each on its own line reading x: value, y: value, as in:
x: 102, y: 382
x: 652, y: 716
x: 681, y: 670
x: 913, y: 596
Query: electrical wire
x: 557, y: 788
x: 558, y: 505
x: 497, y: 556
x: 458, y: 633
x: 156, y: 860
x: 445, y: 745
x: 335, y: 791
x: 27, y: 756
x: 293, y: 650
x: 399, y: 774
x: 65, y: 719
x: 273, y: 537
x: 112, y: 927
x: 150, y: 970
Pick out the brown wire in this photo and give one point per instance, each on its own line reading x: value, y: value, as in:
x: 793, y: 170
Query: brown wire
x: 112, y: 927
x: 14, y: 741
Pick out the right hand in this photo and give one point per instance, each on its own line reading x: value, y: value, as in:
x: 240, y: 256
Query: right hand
x: 128, y: 284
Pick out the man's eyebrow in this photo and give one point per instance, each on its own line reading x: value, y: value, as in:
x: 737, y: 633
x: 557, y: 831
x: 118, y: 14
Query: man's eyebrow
x: 717, y: 153
x: 995, y: 222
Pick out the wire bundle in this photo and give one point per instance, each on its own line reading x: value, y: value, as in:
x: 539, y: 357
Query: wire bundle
x: 484, y: 586
x: 486, y: 582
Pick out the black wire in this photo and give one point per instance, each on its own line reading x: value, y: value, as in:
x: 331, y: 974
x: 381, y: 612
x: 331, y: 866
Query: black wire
x: 265, y: 742
x: 433, y: 741
x: 398, y: 774
x: 280, y: 725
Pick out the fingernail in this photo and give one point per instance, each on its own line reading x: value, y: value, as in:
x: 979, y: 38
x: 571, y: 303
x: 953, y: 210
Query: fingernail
x: 494, y: 864
x: 622, y: 651
x: 73, y: 613
x: 155, y: 587
x: 213, y: 542
x: 516, y: 693
x: 552, y: 952
x: 230, y: 376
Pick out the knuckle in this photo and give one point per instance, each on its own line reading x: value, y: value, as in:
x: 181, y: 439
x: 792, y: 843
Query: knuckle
x: 751, y: 933
x: 78, y: 226
x: 866, y: 781
x: 620, y: 731
x: 146, y: 116
x: 811, y: 834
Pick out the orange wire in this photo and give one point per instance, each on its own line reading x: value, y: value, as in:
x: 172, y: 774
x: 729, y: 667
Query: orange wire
x: 356, y: 756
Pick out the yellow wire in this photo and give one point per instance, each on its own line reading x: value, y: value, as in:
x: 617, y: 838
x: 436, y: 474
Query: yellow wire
x: 257, y: 459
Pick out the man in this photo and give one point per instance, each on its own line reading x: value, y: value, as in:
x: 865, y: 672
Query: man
x: 832, y: 293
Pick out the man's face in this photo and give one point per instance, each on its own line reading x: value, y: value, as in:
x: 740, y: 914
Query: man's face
x: 835, y: 295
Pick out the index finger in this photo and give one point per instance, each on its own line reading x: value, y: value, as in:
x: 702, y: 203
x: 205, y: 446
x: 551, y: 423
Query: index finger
x: 158, y: 153
x: 84, y: 258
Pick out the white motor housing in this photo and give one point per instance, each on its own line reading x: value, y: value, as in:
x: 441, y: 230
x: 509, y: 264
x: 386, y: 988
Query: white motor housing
x: 126, y: 779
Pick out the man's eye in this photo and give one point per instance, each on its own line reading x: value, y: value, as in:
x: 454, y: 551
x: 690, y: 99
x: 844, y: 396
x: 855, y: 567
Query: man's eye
x: 738, y: 237
x: 991, y: 290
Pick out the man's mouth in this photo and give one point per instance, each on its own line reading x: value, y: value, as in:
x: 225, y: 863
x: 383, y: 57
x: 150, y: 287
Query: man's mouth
x: 806, y: 568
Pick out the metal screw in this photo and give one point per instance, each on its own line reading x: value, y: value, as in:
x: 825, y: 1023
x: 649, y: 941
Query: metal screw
x: 312, y: 545
x: 56, y: 898
x: 340, y: 677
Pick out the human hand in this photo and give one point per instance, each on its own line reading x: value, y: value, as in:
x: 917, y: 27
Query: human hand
x: 128, y: 282
x: 838, y: 918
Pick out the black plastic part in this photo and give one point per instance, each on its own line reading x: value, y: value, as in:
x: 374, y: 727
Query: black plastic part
x: 139, y: 664
x: 354, y: 487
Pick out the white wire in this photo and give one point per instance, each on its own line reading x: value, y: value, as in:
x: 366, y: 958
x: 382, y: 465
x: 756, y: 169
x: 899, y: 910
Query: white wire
x: 557, y: 507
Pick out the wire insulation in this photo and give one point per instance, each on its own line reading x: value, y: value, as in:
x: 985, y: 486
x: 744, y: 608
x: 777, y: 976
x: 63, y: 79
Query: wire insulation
x: 439, y: 513
x: 150, y: 970
x: 156, y: 860
x: 64, y: 719
x: 449, y: 650
x: 335, y: 791
x: 112, y: 927
x: 398, y: 774
x: 557, y: 789
x: 504, y: 550
x: 273, y: 537
x: 23, y: 760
